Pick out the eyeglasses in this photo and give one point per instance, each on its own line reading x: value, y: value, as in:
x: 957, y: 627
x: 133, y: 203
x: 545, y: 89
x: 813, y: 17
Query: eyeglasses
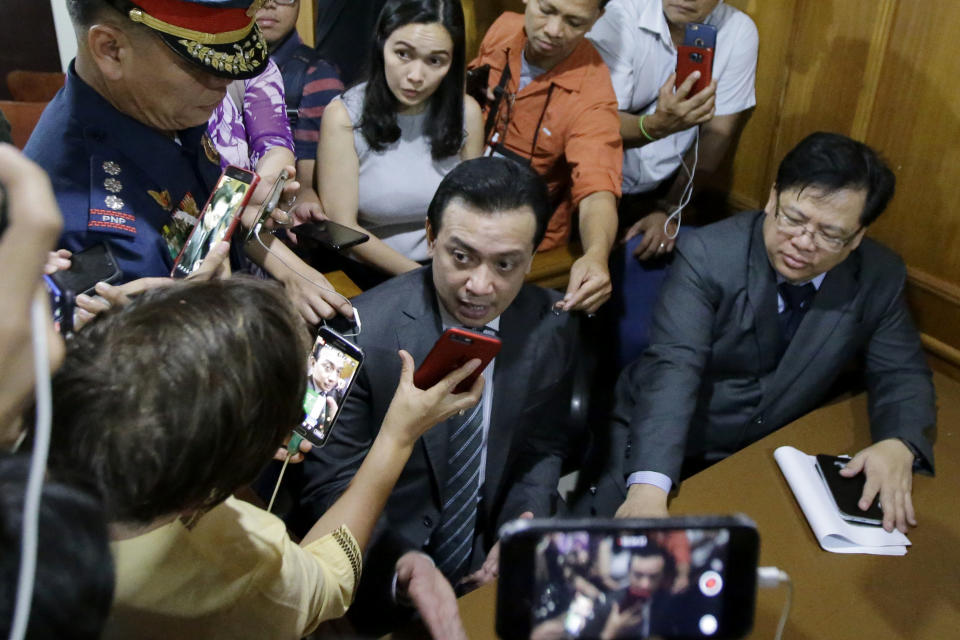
x: 796, y: 227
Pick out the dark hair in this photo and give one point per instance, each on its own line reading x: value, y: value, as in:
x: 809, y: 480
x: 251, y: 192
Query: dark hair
x: 492, y: 185
x: 831, y: 162
x: 444, y: 123
x: 84, y: 13
x: 655, y: 550
x: 74, y: 579
x: 180, y: 398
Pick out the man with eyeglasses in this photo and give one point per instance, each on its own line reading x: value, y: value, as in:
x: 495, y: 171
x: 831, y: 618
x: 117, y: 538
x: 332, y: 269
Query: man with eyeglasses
x: 757, y: 318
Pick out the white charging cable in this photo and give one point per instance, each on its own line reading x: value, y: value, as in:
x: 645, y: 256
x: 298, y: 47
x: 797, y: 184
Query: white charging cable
x: 687, y: 192
x: 38, y: 468
x: 256, y: 233
x: 770, y: 577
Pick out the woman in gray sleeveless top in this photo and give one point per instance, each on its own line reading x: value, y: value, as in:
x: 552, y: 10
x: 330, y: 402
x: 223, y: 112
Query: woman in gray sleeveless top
x: 387, y: 142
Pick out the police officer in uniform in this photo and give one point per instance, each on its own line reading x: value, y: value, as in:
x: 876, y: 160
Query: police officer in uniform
x: 125, y: 140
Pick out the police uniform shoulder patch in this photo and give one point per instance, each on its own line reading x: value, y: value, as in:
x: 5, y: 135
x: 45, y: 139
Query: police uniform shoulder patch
x: 109, y: 211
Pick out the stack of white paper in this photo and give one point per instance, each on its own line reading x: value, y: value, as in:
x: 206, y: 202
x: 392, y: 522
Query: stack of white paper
x: 833, y: 532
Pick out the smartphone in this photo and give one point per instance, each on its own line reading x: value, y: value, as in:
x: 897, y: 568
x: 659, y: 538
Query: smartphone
x: 846, y: 492
x: 478, y: 82
x: 329, y: 235
x: 331, y: 369
x: 696, y: 54
x: 692, y: 577
x: 62, y: 305
x: 87, y: 268
x: 453, y: 350
x: 217, y: 220
x: 269, y: 204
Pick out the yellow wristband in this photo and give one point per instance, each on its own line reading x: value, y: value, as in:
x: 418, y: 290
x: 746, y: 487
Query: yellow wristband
x: 644, y: 131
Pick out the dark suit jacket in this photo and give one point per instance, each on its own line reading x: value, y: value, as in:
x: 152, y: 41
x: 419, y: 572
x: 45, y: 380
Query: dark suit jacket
x: 527, y: 437
x: 344, y: 32
x: 710, y: 380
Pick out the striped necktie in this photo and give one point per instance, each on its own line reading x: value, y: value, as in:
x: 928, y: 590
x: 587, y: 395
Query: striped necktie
x: 452, y: 541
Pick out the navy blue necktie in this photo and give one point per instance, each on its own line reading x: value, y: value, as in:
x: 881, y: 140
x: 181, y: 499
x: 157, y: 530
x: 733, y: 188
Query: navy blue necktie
x: 796, y: 301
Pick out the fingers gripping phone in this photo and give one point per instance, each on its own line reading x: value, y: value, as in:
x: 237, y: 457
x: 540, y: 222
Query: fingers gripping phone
x: 846, y: 492
x: 218, y: 219
x: 454, y: 349
x: 696, y: 54
x: 269, y: 204
x: 672, y: 578
x: 331, y: 370
x: 87, y: 268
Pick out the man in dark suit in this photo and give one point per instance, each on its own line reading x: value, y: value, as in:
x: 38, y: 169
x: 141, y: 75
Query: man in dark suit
x: 759, y: 315
x: 478, y: 470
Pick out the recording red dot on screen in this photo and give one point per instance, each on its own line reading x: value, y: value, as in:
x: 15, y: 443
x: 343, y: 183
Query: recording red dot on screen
x: 710, y: 583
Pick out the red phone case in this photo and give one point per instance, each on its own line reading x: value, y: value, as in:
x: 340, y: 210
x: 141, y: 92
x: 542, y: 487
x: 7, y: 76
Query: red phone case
x: 690, y: 59
x: 253, y: 179
x: 454, y: 349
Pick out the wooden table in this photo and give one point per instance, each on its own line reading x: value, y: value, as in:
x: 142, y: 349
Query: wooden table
x: 836, y: 595
x: 343, y: 284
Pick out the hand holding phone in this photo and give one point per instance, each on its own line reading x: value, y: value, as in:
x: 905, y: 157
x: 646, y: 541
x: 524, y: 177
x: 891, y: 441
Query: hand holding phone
x: 269, y: 204
x: 846, y: 492
x: 87, y: 268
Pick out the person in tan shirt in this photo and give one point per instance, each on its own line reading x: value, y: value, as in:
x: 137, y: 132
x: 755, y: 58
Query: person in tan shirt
x: 178, y: 400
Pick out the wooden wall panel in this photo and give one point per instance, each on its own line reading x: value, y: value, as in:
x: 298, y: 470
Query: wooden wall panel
x: 306, y: 23
x: 917, y: 124
x: 751, y: 172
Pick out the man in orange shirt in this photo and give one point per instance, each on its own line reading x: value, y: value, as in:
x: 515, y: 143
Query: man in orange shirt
x: 552, y: 106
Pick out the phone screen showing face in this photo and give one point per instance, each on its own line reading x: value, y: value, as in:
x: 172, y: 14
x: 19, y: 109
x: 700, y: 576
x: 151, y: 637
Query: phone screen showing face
x: 331, y: 369
x: 667, y: 582
x: 689, y: 578
x: 217, y: 220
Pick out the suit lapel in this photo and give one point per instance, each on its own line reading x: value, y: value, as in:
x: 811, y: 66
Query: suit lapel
x: 417, y: 332
x: 762, y: 296
x: 511, y: 382
x: 831, y: 303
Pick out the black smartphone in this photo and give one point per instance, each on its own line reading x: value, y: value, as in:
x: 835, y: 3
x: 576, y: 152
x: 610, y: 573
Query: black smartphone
x: 478, y: 81
x: 269, y: 204
x: 691, y: 577
x: 696, y: 54
x: 219, y: 218
x: 329, y: 235
x: 331, y: 369
x: 87, y: 268
x: 846, y: 492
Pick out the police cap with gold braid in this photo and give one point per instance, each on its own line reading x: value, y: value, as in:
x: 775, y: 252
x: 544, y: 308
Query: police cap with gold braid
x: 219, y: 36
